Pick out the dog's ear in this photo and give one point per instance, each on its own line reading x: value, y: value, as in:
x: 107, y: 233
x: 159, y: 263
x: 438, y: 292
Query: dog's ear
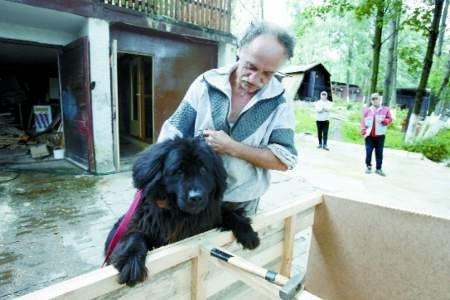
x: 149, y: 165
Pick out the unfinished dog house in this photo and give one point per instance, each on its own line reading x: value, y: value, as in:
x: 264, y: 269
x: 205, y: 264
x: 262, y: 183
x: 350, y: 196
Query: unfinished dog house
x: 98, y: 78
x: 357, y: 250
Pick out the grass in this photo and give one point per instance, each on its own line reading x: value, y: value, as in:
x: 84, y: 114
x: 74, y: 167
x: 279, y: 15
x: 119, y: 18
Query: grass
x: 305, y: 120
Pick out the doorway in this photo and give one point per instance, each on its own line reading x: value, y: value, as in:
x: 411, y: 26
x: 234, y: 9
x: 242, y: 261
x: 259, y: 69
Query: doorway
x: 135, y: 91
x: 30, y: 106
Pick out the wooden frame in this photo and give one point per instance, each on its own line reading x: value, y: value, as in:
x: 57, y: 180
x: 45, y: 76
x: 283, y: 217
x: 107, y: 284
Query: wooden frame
x: 188, y: 265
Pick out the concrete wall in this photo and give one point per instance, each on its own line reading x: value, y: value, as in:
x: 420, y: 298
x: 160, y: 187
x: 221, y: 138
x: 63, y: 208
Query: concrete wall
x: 227, y: 54
x: 98, y: 33
x: 34, y: 34
x: 40, y: 25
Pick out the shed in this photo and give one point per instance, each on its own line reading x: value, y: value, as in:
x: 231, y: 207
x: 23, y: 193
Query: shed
x: 342, y: 90
x: 405, y: 99
x: 305, y: 82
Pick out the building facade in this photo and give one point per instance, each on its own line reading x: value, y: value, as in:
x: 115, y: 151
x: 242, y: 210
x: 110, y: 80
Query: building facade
x: 111, y: 71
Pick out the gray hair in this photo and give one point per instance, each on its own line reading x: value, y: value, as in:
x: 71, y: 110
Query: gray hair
x: 283, y: 37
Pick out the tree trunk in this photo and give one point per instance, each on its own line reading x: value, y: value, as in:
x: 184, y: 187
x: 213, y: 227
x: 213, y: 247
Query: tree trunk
x: 261, y: 6
x: 442, y: 29
x: 445, y: 79
x: 390, y: 82
x: 427, y: 63
x: 349, y: 66
x: 377, y: 46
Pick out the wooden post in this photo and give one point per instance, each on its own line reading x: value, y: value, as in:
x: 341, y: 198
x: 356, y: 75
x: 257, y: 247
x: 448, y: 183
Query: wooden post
x: 288, y: 246
x: 199, y: 272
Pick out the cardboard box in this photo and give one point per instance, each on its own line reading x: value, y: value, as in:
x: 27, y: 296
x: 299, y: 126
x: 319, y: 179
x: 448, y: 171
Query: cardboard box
x: 40, y: 150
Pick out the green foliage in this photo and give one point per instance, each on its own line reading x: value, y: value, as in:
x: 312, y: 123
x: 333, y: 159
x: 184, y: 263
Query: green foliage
x: 436, y: 78
x: 394, y: 138
x: 335, y: 7
x: 419, y: 19
x: 351, y: 132
x: 411, y: 55
x: 305, y: 121
x: 355, y: 116
x: 436, y: 148
x: 331, y: 33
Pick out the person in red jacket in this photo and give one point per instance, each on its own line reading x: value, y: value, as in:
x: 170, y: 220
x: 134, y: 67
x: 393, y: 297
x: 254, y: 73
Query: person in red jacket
x: 374, y: 123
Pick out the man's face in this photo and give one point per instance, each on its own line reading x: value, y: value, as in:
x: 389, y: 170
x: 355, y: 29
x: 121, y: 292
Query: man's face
x: 258, y: 61
x: 376, y: 101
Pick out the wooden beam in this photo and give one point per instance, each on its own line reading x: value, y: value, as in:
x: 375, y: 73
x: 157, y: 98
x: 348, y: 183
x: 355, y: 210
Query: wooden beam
x: 102, y: 281
x: 199, y: 272
x: 288, y: 246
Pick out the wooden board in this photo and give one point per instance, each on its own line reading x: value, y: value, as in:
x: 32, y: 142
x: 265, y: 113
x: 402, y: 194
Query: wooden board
x: 171, y: 268
x: 366, y: 251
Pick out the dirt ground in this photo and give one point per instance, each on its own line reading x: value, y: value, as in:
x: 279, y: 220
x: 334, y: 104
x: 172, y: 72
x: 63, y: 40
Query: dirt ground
x: 55, y: 218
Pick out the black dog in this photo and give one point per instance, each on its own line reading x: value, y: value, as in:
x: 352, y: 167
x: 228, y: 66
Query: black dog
x: 183, y: 182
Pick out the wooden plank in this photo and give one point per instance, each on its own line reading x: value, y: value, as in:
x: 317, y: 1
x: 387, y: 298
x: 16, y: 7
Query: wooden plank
x: 199, y: 272
x: 265, y: 289
x: 173, y: 284
x: 201, y: 8
x: 270, y: 248
x: 288, y: 246
x: 103, y: 281
x: 228, y: 16
x: 219, y: 280
x: 251, y: 280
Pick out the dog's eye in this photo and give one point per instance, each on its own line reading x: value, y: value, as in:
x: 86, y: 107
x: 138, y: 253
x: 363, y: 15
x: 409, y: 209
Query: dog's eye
x: 179, y: 172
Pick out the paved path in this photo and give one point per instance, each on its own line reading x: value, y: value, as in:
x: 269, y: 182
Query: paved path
x: 54, y: 224
x: 412, y: 183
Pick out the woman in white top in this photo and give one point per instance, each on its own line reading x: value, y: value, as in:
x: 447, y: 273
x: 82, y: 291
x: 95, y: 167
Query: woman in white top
x: 323, y: 108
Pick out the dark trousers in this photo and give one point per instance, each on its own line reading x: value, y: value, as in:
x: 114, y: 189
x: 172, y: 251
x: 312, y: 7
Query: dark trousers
x: 322, y: 131
x: 377, y: 143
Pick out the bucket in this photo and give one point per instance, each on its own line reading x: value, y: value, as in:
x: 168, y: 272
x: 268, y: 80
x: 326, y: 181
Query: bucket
x: 58, y: 153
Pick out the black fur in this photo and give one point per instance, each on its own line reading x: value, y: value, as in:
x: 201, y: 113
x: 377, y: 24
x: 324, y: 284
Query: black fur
x: 191, y: 180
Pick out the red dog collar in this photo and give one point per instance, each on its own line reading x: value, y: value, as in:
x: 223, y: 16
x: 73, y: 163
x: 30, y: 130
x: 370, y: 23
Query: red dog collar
x: 123, y: 225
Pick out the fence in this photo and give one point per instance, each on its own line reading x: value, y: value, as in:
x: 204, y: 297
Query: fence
x: 212, y: 14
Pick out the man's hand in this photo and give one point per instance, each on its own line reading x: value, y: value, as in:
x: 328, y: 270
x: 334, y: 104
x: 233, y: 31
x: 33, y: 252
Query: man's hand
x: 219, y: 141
x: 222, y: 143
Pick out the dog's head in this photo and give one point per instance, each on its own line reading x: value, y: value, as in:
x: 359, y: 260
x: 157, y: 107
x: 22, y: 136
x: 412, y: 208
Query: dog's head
x: 184, y: 171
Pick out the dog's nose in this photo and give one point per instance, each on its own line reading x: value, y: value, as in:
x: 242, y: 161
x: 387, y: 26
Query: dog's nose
x: 195, y: 196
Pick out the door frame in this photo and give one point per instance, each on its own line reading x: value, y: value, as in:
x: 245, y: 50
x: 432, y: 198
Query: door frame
x: 115, y: 97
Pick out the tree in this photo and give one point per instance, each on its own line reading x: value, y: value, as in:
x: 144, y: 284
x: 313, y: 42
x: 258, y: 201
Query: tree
x: 390, y: 79
x: 445, y: 80
x: 442, y: 29
x: 379, y: 22
x: 427, y: 64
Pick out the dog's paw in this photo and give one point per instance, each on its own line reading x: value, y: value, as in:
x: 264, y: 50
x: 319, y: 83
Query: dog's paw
x: 132, y: 273
x: 249, y: 240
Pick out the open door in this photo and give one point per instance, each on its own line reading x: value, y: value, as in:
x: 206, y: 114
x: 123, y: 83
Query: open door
x: 137, y: 96
x: 132, y: 85
x: 115, y: 105
x: 76, y: 103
